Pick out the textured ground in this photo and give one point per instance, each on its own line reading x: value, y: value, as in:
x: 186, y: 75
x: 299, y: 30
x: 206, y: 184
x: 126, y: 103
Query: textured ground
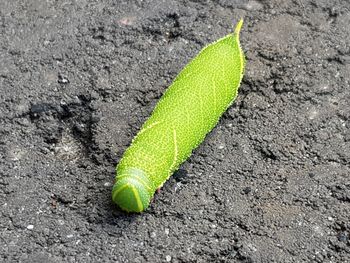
x: 271, y: 183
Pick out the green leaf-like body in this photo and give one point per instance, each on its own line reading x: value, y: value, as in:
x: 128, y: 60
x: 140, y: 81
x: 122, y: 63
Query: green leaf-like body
x: 188, y: 110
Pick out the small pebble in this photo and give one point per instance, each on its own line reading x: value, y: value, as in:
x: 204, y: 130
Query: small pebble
x: 247, y: 190
x: 62, y: 79
x: 40, y: 108
x: 127, y: 21
x: 312, y: 175
x: 343, y: 236
x: 221, y: 146
x: 253, y: 6
x: 167, y: 231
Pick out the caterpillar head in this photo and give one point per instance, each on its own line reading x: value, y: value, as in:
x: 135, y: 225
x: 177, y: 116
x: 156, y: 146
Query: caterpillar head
x: 133, y: 190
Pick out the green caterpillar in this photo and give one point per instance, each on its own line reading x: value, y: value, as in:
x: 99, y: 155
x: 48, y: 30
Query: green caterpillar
x: 188, y: 110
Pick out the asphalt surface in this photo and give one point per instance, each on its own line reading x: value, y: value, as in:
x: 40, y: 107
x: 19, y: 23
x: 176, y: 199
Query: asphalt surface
x: 271, y: 183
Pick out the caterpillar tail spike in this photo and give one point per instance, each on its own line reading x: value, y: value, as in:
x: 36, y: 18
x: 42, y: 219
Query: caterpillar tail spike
x: 189, y: 109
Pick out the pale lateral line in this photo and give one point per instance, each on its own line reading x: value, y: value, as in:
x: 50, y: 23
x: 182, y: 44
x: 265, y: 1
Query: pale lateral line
x: 134, y: 178
x: 240, y: 53
x: 137, y: 197
x: 119, y: 190
x: 149, y: 127
x: 185, y: 77
x: 242, y: 63
x: 189, y: 74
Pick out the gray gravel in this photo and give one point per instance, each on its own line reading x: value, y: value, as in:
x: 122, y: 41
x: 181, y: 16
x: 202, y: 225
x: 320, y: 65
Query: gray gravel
x: 269, y: 184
